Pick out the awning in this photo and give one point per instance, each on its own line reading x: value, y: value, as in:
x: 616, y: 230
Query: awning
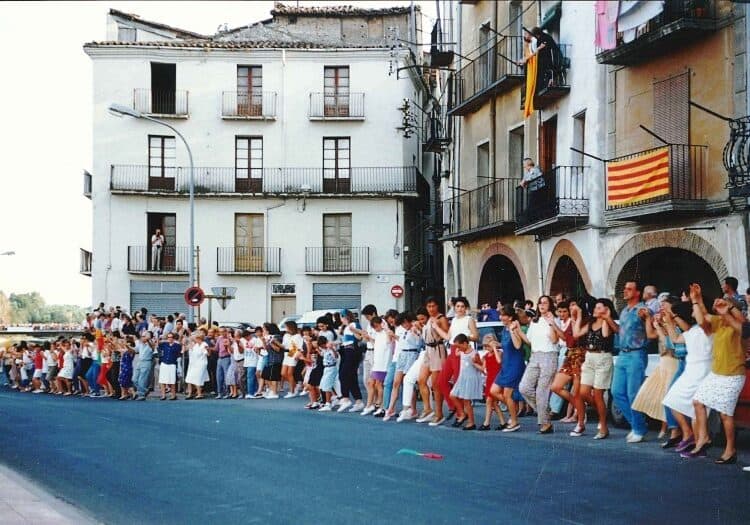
x: 552, y: 14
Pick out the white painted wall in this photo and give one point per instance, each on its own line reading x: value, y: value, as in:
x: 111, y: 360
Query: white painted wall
x: 292, y: 140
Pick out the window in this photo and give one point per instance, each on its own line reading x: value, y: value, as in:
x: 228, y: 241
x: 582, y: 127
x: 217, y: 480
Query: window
x: 336, y: 91
x: 336, y: 165
x: 672, y: 109
x: 515, y: 152
x: 484, y: 71
x: 483, y: 163
x: 163, y: 86
x: 126, y: 34
x: 161, y: 162
x: 248, y: 242
x: 515, y: 18
x: 579, y: 132
x: 248, y: 164
x: 166, y: 260
x: 548, y: 145
x: 250, y: 91
x: 283, y: 289
x: 337, y: 242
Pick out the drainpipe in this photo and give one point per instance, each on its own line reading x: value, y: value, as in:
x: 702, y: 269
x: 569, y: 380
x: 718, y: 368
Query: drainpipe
x: 538, y: 241
x: 457, y: 160
x: 493, y: 106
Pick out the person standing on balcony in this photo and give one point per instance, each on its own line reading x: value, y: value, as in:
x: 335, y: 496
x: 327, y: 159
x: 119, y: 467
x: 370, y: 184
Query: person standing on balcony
x: 157, y: 244
x: 636, y: 329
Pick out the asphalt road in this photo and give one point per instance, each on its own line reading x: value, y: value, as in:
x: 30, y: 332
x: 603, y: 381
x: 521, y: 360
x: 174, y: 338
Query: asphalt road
x: 263, y: 461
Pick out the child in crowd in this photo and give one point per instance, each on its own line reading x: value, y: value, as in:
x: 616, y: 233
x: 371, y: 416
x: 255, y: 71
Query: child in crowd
x: 327, y: 382
x: 470, y: 382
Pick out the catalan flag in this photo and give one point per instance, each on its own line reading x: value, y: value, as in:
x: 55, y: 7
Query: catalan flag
x: 639, y: 178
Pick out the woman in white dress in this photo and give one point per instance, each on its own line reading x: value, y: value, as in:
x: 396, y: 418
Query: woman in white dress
x: 679, y: 398
x: 197, y: 373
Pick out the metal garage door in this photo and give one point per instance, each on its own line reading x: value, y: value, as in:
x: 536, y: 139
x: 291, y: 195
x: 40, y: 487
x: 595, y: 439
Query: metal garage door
x: 336, y: 296
x: 159, y: 297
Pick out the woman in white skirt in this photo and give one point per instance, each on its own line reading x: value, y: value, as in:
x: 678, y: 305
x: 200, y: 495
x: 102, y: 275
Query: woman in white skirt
x: 197, y: 373
x: 470, y: 382
x: 679, y: 397
x: 721, y: 388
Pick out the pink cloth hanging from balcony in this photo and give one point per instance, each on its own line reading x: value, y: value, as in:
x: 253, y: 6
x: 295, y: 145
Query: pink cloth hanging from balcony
x: 606, y: 23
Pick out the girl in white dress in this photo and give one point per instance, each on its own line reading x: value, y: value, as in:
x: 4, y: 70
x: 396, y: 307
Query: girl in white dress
x: 699, y: 347
x: 197, y: 373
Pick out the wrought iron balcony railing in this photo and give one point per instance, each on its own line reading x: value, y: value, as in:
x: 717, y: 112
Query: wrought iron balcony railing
x: 339, y: 259
x: 161, y: 102
x: 145, y: 259
x: 341, y: 106
x: 485, y: 208
x: 244, y: 259
x: 377, y: 180
x: 248, y: 105
x: 559, y: 195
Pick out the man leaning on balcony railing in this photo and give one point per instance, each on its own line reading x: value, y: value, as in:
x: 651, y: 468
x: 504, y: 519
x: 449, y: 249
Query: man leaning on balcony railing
x: 533, y: 182
x: 550, y: 59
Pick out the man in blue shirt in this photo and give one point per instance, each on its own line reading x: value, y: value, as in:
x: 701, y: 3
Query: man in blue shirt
x: 635, y: 332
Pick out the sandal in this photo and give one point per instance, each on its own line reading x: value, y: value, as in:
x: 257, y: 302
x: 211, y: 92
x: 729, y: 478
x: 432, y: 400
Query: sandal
x: 199, y: 397
x: 601, y: 435
x: 470, y: 427
x: 458, y: 422
x: 484, y: 427
x: 163, y: 398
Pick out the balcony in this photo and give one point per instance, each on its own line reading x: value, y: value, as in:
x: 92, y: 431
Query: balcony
x: 242, y: 260
x: 349, y: 106
x: 489, y: 209
x: 736, y: 158
x: 248, y: 106
x: 174, y: 260
x: 682, y: 21
x: 493, y: 72
x: 666, y: 180
x: 87, y: 183
x: 164, y: 104
x: 434, y: 133
x: 85, y: 262
x: 137, y: 179
x: 552, y: 85
x: 337, y: 260
x: 556, y: 200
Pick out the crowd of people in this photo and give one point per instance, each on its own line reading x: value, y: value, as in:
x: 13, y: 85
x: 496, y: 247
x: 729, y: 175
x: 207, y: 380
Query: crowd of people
x: 402, y: 358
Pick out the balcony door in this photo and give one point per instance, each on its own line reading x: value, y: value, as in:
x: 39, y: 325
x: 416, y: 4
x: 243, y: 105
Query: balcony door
x: 250, y: 91
x: 248, y: 164
x: 161, y: 162
x: 336, y: 91
x: 336, y: 165
x: 548, y: 145
x: 167, y: 223
x: 163, y: 88
x: 337, y: 242
x: 248, y: 242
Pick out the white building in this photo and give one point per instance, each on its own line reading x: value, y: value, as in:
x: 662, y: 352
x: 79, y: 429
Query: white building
x: 307, y: 194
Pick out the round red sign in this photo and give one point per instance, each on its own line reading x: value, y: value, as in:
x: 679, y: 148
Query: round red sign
x: 397, y: 291
x: 194, y: 296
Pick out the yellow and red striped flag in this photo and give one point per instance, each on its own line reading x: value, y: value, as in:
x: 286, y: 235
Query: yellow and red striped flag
x: 639, y: 178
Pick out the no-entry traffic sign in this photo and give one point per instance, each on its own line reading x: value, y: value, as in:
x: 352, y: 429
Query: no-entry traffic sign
x: 397, y: 291
x: 194, y: 296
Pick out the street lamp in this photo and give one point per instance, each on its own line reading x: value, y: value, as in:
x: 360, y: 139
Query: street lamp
x: 120, y: 110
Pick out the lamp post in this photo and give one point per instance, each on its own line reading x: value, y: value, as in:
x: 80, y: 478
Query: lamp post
x: 120, y: 110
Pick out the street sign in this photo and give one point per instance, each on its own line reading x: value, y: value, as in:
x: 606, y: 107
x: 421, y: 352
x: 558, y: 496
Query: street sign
x: 194, y: 296
x: 397, y: 291
x: 223, y: 294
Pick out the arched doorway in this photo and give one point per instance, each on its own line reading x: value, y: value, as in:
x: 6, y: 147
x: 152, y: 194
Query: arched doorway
x: 567, y: 279
x: 450, y: 278
x: 670, y: 270
x: 500, y: 281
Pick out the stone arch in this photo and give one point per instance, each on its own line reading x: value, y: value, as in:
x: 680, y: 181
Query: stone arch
x: 566, y: 248
x: 679, y: 239
x: 450, y: 278
x: 503, y: 250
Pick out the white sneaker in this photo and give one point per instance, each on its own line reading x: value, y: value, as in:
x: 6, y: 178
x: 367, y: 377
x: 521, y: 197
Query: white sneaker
x: 37, y: 391
x: 405, y: 415
x: 368, y: 410
x: 379, y: 412
x: 388, y: 415
x: 249, y: 396
x: 425, y: 418
x: 437, y: 422
x: 346, y: 403
x: 335, y: 401
x: 357, y: 407
x: 746, y: 469
x: 634, y: 438
x: 289, y: 395
x: 302, y: 393
x: 630, y: 434
x: 325, y: 408
x: 271, y: 395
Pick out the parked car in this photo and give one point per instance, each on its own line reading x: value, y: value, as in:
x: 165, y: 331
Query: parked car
x: 237, y: 325
x: 284, y: 320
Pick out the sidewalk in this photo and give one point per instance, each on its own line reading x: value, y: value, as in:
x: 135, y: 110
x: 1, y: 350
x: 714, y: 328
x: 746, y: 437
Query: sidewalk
x: 23, y: 502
